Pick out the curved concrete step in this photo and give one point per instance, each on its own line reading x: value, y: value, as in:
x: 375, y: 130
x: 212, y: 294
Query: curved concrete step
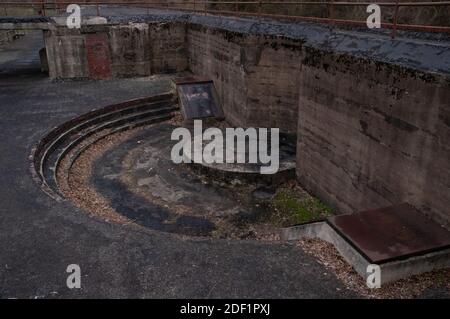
x: 39, y: 151
x: 128, y: 126
x: 77, y: 129
x: 120, y: 124
x: 55, y: 146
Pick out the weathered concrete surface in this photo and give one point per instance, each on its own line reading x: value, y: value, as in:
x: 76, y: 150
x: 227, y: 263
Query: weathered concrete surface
x: 17, y: 58
x: 137, y: 49
x: 220, y: 60
x: 66, y: 54
x: 130, y: 50
x: 425, y: 51
x: 256, y: 78
x: 372, y: 134
x: 39, y: 237
x: 25, y: 23
x: 371, y: 113
x: 98, y: 54
x: 43, y: 60
x: 142, y: 184
x: 168, y: 47
x: 6, y: 36
x: 256, y: 64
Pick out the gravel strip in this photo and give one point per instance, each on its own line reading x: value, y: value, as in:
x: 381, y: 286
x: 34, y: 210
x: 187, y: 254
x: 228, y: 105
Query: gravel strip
x: 412, y: 287
x: 78, y: 188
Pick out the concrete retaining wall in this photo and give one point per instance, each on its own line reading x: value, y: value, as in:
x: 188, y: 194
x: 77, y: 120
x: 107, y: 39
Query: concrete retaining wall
x: 130, y: 50
x: 168, y: 47
x: 369, y: 133
x: 66, y: 53
x: 7, y: 36
x: 256, y: 76
x: 138, y: 49
x: 215, y: 56
x: 372, y: 134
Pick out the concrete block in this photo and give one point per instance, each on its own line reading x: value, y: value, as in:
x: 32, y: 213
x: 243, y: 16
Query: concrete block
x: 390, y: 271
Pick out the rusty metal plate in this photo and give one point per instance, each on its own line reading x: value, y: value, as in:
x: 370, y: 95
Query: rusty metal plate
x: 198, y: 98
x: 391, y: 233
x: 98, y: 56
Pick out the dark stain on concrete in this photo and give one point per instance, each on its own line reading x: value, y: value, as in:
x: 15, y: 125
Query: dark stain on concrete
x: 136, y: 208
x: 403, y: 125
x: 364, y: 128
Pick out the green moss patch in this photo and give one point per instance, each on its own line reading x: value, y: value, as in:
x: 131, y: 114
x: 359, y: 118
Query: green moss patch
x: 296, y: 207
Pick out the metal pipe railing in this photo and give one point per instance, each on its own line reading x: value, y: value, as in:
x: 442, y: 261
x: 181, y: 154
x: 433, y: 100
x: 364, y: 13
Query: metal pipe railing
x: 203, y: 6
x: 192, y: 2
x: 394, y: 28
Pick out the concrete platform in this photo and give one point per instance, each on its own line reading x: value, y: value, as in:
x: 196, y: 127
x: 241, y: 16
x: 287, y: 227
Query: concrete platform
x: 392, y: 233
x: 399, y: 239
x: 246, y: 171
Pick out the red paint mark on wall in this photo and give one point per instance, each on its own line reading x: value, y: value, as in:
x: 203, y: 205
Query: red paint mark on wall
x: 98, y: 56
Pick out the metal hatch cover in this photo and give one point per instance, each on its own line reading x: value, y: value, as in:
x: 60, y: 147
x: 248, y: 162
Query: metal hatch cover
x: 198, y: 98
x: 391, y: 233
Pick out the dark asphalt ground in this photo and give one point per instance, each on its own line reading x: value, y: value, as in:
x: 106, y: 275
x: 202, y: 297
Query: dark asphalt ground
x: 40, y: 237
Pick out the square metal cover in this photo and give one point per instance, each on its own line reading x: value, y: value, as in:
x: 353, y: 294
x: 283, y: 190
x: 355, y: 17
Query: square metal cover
x: 198, y: 98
